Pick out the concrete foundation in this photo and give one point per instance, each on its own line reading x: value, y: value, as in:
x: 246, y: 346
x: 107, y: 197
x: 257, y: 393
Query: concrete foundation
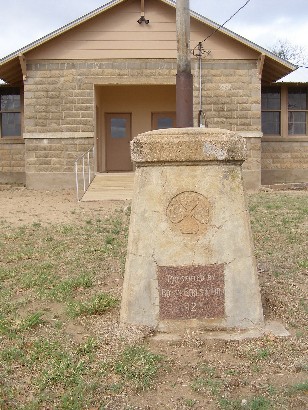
x: 55, y: 181
x: 190, y: 262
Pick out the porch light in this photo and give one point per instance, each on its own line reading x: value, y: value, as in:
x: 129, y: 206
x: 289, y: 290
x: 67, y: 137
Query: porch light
x: 142, y: 18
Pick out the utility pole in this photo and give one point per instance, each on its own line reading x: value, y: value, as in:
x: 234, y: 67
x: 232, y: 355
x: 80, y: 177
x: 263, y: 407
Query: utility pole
x: 184, y: 78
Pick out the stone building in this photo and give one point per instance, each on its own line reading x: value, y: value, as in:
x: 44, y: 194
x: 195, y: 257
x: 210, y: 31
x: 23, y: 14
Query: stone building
x: 110, y: 75
x: 284, y: 155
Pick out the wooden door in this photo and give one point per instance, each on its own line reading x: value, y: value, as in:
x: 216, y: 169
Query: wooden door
x: 118, y: 136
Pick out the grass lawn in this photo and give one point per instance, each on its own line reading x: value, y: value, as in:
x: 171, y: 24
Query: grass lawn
x: 61, y: 345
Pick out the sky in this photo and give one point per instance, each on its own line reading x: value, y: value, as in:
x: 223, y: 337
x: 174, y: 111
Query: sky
x: 260, y: 21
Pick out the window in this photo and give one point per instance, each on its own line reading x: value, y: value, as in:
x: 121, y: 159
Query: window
x: 284, y: 111
x: 118, y: 128
x: 10, y: 112
x: 161, y: 120
x: 271, y: 111
x: 297, y: 111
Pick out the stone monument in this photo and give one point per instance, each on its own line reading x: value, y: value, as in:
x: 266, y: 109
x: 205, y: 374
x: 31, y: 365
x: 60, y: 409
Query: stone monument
x: 190, y: 261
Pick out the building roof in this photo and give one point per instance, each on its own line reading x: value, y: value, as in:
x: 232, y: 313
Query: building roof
x: 273, y: 66
x: 298, y: 76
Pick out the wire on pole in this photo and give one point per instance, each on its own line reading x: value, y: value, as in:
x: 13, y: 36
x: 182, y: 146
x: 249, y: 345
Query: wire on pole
x: 221, y: 26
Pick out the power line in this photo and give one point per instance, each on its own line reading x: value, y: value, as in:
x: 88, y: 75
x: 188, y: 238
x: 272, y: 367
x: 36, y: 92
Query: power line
x: 222, y: 25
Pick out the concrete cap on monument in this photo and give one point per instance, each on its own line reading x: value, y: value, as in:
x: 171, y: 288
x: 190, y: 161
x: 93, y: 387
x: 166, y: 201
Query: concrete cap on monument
x: 192, y: 146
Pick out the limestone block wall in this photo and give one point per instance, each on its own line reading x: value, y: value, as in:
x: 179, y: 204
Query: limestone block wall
x: 251, y: 168
x: 231, y: 94
x: 60, y: 105
x: 59, y: 96
x: 231, y: 99
x: 59, y: 100
x: 50, y: 162
x: 12, y: 164
x: 284, y: 161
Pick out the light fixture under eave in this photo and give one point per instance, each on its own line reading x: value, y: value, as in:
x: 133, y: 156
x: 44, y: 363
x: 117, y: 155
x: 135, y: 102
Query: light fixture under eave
x: 142, y: 17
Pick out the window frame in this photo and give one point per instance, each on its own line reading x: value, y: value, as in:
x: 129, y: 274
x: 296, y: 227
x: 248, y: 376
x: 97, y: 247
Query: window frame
x: 273, y: 110
x: 9, y: 90
x: 284, y: 113
x: 296, y: 110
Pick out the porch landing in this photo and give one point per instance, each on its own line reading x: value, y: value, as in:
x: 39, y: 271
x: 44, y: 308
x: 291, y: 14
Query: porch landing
x: 110, y: 187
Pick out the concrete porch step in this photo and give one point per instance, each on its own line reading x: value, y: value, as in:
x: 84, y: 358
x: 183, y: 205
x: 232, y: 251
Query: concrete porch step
x: 110, y: 187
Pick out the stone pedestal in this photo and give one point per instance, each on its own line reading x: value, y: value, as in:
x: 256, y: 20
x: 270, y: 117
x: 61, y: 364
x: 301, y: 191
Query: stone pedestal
x: 190, y: 262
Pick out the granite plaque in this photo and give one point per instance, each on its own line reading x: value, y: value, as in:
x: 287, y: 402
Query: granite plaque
x: 191, y: 292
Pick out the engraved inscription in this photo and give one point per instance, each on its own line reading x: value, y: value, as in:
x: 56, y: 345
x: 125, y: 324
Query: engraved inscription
x: 189, y: 213
x: 191, y: 292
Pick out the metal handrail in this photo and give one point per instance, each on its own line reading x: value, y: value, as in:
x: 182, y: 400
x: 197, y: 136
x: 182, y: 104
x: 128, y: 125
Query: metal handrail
x: 87, y: 175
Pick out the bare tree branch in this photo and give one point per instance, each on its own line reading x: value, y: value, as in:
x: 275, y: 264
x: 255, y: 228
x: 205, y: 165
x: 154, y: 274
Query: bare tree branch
x: 290, y: 52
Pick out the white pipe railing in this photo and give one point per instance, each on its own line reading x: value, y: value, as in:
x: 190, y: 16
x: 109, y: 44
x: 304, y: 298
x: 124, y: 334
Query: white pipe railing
x: 83, y: 165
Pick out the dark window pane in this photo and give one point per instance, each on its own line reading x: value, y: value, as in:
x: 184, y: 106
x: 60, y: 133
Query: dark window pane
x: 10, y: 125
x: 118, y: 127
x: 297, y: 99
x: 164, y: 122
x: 270, y: 99
x: 297, y: 123
x: 271, y: 123
x: 10, y: 102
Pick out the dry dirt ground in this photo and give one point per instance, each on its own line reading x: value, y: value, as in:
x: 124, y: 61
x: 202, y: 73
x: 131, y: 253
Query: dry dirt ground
x: 20, y: 206
x: 264, y: 373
